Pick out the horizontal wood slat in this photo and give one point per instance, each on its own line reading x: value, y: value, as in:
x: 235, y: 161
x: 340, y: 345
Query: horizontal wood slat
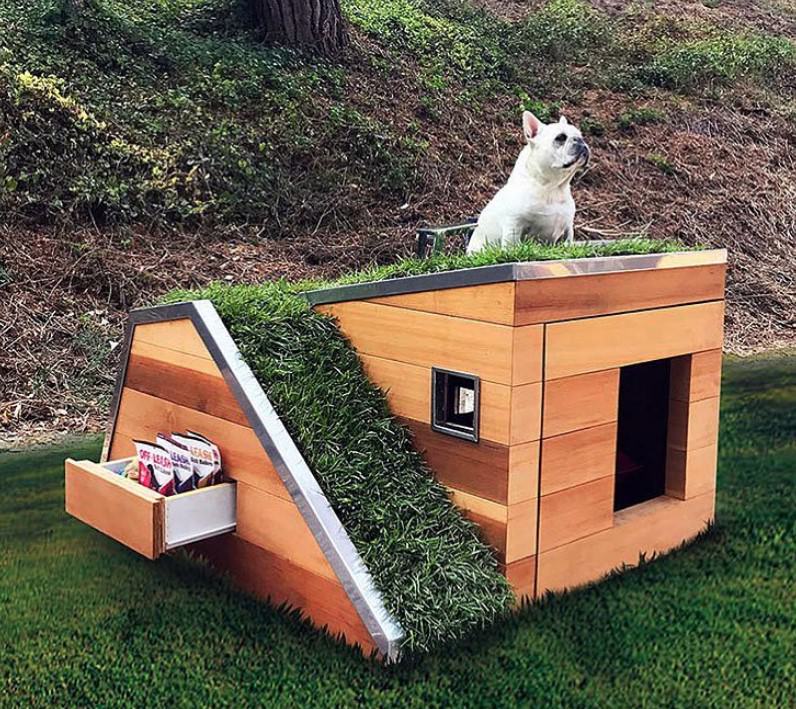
x: 203, y: 364
x: 408, y: 389
x: 583, y: 401
x: 578, y: 457
x: 588, y: 295
x: 593, y: 344
x: 277, y: 525
x: 142, y: 416
x: 490, y: 303
x: 696, y: 376
x: 654, y: 526
x: 526, y: 413
x: 480, y: 469
x: 187, y: 387
x: 692, y: 472
x: 269, y: 576
x: 521, y: 530
x: 523, y: 472
x: 427, y: 340
x: 693, y: 425
x: 178, y: 335
x: 521, y: 575
x: 131, y: 514
x: 576, y: 512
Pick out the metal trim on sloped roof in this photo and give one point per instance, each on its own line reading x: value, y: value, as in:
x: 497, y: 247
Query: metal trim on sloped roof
x: 285, y: 456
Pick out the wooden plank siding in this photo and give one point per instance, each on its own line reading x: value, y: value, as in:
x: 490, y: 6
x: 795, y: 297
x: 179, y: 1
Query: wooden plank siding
x: 553, y: 299
x: 656, y: 526
x: 593, y: 344
x: 273, y: 578
x: 172, y: 384
x: 433, y: 340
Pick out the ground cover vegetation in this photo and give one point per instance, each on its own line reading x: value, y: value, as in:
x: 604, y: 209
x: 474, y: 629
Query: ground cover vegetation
x: 84, y: 617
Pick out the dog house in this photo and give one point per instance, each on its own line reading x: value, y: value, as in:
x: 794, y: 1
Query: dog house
x: 571, y: 407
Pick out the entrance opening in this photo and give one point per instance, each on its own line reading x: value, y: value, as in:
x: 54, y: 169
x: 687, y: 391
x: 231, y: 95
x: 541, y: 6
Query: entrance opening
x: 642, y: 430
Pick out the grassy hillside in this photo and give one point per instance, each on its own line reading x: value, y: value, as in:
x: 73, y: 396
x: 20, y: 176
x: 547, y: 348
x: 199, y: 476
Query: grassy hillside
x: 172, y: 111
x: 86, y: 621
x: 158, y: 144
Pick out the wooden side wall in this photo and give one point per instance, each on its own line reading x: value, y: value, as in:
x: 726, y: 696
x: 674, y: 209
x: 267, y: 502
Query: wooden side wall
x: 173, y: 384
x: 470, y: 330
x: 581, y: 538
x: 549, y: 353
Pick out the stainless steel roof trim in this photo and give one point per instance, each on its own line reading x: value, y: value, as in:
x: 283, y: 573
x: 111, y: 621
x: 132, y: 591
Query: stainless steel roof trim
x: 518, y: 271
x: 286, y: 458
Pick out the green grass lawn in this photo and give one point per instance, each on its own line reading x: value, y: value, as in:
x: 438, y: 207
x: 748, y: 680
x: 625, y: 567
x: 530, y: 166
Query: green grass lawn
x: 85, y: 621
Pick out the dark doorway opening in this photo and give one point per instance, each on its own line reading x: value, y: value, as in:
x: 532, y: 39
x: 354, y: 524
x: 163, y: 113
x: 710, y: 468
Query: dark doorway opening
x: 642, y: 429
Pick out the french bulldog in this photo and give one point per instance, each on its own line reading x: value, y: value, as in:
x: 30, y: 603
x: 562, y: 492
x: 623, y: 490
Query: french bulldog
x: 536, y: 201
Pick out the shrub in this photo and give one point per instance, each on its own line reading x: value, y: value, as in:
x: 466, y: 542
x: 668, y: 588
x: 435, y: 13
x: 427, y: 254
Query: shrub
x: 721, y: 58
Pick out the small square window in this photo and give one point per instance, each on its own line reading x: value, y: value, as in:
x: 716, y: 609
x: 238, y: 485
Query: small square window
x: 454, y: 403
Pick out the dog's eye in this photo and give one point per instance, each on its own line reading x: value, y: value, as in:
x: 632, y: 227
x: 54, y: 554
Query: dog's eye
x: 561, y: 138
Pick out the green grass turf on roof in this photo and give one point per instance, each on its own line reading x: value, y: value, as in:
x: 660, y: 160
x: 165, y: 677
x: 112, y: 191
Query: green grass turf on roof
x: 435, y: 574
x: 524, y: 251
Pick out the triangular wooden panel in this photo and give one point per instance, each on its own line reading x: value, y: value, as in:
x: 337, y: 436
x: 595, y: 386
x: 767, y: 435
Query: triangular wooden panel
x: 172, y: 383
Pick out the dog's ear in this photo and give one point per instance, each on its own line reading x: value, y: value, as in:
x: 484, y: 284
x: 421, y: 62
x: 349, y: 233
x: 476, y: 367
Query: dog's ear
x: 531, y: 125
x: 563, y: 120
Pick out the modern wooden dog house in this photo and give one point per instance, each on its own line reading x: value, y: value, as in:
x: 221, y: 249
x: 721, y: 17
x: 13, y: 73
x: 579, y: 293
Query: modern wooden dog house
x: 570, y: 406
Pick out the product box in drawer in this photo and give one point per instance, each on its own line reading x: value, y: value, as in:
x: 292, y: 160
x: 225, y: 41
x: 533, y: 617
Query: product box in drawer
x: 140, y: 518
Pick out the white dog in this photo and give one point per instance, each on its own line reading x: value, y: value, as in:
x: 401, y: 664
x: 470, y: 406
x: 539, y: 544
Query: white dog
x: 536, y: 201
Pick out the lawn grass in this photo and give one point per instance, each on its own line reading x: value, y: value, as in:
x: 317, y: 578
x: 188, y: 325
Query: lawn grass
x: 85, y: 621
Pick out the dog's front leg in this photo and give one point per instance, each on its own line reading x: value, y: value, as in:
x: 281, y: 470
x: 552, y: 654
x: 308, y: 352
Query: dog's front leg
x: 569, y: 233
x: 511, y: 233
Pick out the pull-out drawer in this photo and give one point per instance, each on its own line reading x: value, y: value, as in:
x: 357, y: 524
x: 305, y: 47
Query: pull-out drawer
x: 143, y: 519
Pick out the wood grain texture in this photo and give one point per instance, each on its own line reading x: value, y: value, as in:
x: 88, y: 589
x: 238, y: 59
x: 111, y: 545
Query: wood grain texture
x: 526, y: 413
x: 582, y: 401
x: 125, y: 511
x: 195, y: 363
x: 578, y: 457
x: 576, y: 512
x: 593, y: 344
x: 268, y: 576
x: 277, y: 525
x: 408, y: 390
x: 696, y: 376
x: 655, y: 526
x: 521, y: 530
x: 527, y: 349
x: 196, y: 390
x: 548, y: 300
x: 427, y: 340
x: 523, y: 472
x: 521, y: 575
x: 693, y: 425
x: 692, y: 472
x: 481, y: 469
x: 178, y: 335
x: 142, y: 416
x: 490, y: 303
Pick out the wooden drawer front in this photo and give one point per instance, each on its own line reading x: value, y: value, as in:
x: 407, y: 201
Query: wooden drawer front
x: 140, y: 518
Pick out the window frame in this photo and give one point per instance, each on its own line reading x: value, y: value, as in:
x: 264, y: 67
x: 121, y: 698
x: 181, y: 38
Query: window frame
x: 446, y: 427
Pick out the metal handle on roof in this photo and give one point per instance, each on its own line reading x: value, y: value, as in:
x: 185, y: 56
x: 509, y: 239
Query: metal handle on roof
x: 430, y: 240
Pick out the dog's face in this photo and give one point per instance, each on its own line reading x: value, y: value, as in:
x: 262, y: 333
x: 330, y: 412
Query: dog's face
x: 557, y: 149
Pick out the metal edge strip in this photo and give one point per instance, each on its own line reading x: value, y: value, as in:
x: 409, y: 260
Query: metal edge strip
x: 517, y: 271
x: 288, y: 461
x: 116, y: 398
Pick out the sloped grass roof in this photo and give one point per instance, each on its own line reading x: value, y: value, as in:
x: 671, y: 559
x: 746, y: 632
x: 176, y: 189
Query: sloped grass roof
x: 524, y: 251
x: 436, y: 576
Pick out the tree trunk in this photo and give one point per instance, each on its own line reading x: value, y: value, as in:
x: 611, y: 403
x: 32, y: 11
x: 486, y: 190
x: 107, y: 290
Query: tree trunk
x: 312, y: 24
